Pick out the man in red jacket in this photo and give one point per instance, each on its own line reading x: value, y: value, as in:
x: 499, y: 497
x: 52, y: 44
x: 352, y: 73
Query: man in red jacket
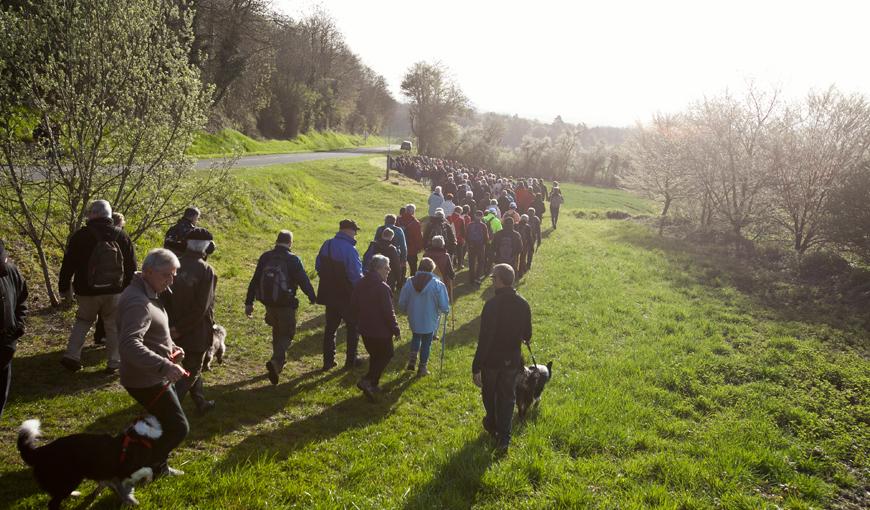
x: 413, y: 235
x: 372, y: 306
x: 458, y: 221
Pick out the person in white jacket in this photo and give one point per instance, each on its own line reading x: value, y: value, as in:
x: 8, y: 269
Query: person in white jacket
x: 436, y: 199
x: 424, y: 299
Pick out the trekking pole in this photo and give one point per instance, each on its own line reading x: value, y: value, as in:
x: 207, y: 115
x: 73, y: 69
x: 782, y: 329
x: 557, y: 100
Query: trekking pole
x: 443, y: 334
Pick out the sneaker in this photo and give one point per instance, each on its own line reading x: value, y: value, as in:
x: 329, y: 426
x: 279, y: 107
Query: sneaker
x: 273, y: 374
x: 422, y: 371
x: 205, y: 408
x: 71, y: 364
x: 366, y: 387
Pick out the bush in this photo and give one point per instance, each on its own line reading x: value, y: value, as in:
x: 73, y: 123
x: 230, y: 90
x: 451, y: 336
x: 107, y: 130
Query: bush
x: 822, y: 265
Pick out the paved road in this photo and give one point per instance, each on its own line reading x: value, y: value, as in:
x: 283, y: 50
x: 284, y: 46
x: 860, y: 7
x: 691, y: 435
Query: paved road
x: 277, y: 159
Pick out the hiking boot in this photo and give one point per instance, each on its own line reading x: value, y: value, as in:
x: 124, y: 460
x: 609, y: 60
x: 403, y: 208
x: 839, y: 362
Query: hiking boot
x: 366, y: 387
x: 205, y: 407
x: 71, y: 364
x: 422, y: 371
x: 273, y: 374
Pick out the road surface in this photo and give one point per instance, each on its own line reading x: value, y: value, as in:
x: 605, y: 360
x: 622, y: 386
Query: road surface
x: 296, y: 157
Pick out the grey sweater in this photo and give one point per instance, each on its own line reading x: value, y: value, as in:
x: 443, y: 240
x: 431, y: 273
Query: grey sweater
x: 143, y: 336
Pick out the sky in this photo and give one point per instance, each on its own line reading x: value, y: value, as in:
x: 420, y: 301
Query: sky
x: 609, y: 62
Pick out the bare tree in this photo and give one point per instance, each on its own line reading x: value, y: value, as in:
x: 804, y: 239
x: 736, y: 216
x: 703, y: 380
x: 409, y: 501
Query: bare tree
x: 818, y: 143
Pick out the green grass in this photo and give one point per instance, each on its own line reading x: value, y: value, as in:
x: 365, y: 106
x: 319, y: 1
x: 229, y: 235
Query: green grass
x: 230, y: 141
x: 668, y: 392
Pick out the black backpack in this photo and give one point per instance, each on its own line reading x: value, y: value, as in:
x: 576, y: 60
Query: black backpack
x: 505, y: 249
x: 274, y: 282
x: 106, y: 263
x: 476, y: 233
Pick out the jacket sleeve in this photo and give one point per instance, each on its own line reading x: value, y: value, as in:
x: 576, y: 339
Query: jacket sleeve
x: 252, y: 286
x: 70, y: 263
x: 527, y: 322
x: 353, y: 266
x: 21, y: 306
x: 451, y: 273
x: 301, y: 277
x: 484, y: 338
x: 403, y: 245
x: 388, y: 311
x: 317, y: 261
x: 404, y: 296
x: 134, y: 321
x: 129, y: 260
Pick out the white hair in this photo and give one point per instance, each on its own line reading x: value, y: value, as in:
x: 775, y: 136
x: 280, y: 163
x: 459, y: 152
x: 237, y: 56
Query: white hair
x: 437, y: 189
x: 388, y: 234
x: 159, y: 258
x: 438, y: 241
x: 197, y: 245
x: 379, y: 262
x: 100, y: 209
x: 410, y: 208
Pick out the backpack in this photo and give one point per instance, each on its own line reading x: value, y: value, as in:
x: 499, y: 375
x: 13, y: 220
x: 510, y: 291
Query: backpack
x: 438, y: 231
x: 274, y: 284
x: 106, y: 263
x: 505, y: 249
x: 475, y: 233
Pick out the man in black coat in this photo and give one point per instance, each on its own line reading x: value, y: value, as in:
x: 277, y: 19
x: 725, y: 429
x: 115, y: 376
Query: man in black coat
x: 177, y: 234
x: 506, y: 322
x: 190, y: 305
x: 100, y: 262
x: 13, y: 312
x: 279, y: 273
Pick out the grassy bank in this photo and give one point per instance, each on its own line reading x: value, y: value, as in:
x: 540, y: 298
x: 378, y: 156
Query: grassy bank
x: 668, y: 392
x: 230, y: 141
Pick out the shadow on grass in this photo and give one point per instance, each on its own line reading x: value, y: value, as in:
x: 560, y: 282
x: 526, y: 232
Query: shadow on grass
x: 39, y: 375
x: 458, y: 481
x: 354, y: 412
x: 16, y: 485
x: 777, y: 291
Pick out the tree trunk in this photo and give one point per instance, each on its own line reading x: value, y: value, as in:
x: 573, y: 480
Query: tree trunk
x: 664, y: 214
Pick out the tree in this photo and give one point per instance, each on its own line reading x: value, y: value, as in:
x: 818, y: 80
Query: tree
x: 436, y: 102
x: 847, y: 216
x: 116, y: 103
x: 817, y: 145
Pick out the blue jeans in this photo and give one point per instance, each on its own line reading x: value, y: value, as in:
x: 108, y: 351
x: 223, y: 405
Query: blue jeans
x: 422, y: 342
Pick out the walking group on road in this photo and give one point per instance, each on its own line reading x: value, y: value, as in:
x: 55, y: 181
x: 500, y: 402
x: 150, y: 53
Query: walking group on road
x: 159, y: 325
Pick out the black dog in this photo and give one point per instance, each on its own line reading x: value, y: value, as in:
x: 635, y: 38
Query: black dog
x: 116, y: 461
x: 530, y: 383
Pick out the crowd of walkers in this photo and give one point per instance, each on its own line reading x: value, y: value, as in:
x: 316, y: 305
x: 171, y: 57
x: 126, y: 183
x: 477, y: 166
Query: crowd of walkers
x: 158, y: 323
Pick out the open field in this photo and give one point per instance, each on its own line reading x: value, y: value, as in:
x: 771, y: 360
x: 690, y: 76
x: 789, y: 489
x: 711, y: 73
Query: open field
x: 669, y: 391
x: 229, y: 141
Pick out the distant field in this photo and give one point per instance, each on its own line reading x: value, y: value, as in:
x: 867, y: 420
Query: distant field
x: 229, y: 141
x: 668, y: 392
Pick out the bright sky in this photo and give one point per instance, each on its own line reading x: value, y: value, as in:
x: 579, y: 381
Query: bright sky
x: 609, y: 62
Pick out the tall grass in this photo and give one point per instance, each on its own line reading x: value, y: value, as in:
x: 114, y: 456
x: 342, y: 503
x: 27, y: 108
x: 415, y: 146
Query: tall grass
x: 230, y: 141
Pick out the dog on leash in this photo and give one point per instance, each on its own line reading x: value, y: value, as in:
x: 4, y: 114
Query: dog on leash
x: 529, y: 386
x: 217, y: 349
x: 118, y: 462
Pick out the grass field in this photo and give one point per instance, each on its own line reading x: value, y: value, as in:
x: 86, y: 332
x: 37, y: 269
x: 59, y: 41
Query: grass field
x: 230, y: 141
x: 668, y: 391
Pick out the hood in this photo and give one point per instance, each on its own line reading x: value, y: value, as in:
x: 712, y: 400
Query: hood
x: 421, y: 280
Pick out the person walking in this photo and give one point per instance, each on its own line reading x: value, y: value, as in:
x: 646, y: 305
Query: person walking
x: 556, y: 201
x: 278, y: 274
x: 436, y: 199
x: 507, y: 245
x: 13, y: 316
x: 100, y: 262
x: 190, y: 305
x: 118, y: 221
x: 399, y: 241
x: 177, y: 234
x: 443, y: 263
x: 372, y: 306
x: 457, y: 221
x: 149, y: 357
x: 505, y: 323
x: 413, y: 235
x: 477, y: 237
x: 535, y: 225
x: 525, y: 231
x: 384, y: 246
x: 424, y: 299
x: 339, y: 268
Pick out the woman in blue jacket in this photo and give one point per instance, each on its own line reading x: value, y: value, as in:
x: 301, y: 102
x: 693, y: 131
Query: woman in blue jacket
x: 424, y: 299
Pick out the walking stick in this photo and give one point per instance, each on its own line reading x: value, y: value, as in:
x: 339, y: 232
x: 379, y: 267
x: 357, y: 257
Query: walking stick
x: 443, y: 334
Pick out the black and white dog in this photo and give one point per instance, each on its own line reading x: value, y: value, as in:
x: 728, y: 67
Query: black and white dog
x: 118, y: 461
x: 529, y: 386
x: 217, y: 349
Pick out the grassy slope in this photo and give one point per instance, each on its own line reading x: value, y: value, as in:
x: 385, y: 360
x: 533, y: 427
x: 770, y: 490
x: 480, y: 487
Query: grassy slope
x: 667, y: 393
x: 229, y: 141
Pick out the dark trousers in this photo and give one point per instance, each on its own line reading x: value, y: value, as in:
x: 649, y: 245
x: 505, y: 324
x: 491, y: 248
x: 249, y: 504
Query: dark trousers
x: 380, y: 353
x: 283, y: 322
x: 476, y: 261
x: 334, y: 315
x: 529, y: 254
x: 166, y: 408
x: 499, y: 398
x: 99, y: 329
x: 193, y: 383
x: 554, y: 215
x: 460, y: 255
x: 412, y: 264
x: 5, y: 375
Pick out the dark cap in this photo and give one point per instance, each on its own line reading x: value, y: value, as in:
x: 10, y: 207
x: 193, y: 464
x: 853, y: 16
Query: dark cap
x: 199, y: 234
x: 347, y: 224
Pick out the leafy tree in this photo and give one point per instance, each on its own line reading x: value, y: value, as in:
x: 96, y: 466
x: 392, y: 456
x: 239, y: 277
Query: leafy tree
x: 435, y: 104
x: 847, y: 215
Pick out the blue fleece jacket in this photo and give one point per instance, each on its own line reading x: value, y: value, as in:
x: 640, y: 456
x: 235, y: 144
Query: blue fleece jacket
x: 424, y: 299
x: 342, y: 248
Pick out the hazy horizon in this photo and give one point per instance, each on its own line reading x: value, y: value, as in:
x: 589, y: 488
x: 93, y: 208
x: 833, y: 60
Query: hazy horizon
x: 608, y: 64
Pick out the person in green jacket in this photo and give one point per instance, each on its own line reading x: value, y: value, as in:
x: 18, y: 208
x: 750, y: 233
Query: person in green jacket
x: 492, y: 221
